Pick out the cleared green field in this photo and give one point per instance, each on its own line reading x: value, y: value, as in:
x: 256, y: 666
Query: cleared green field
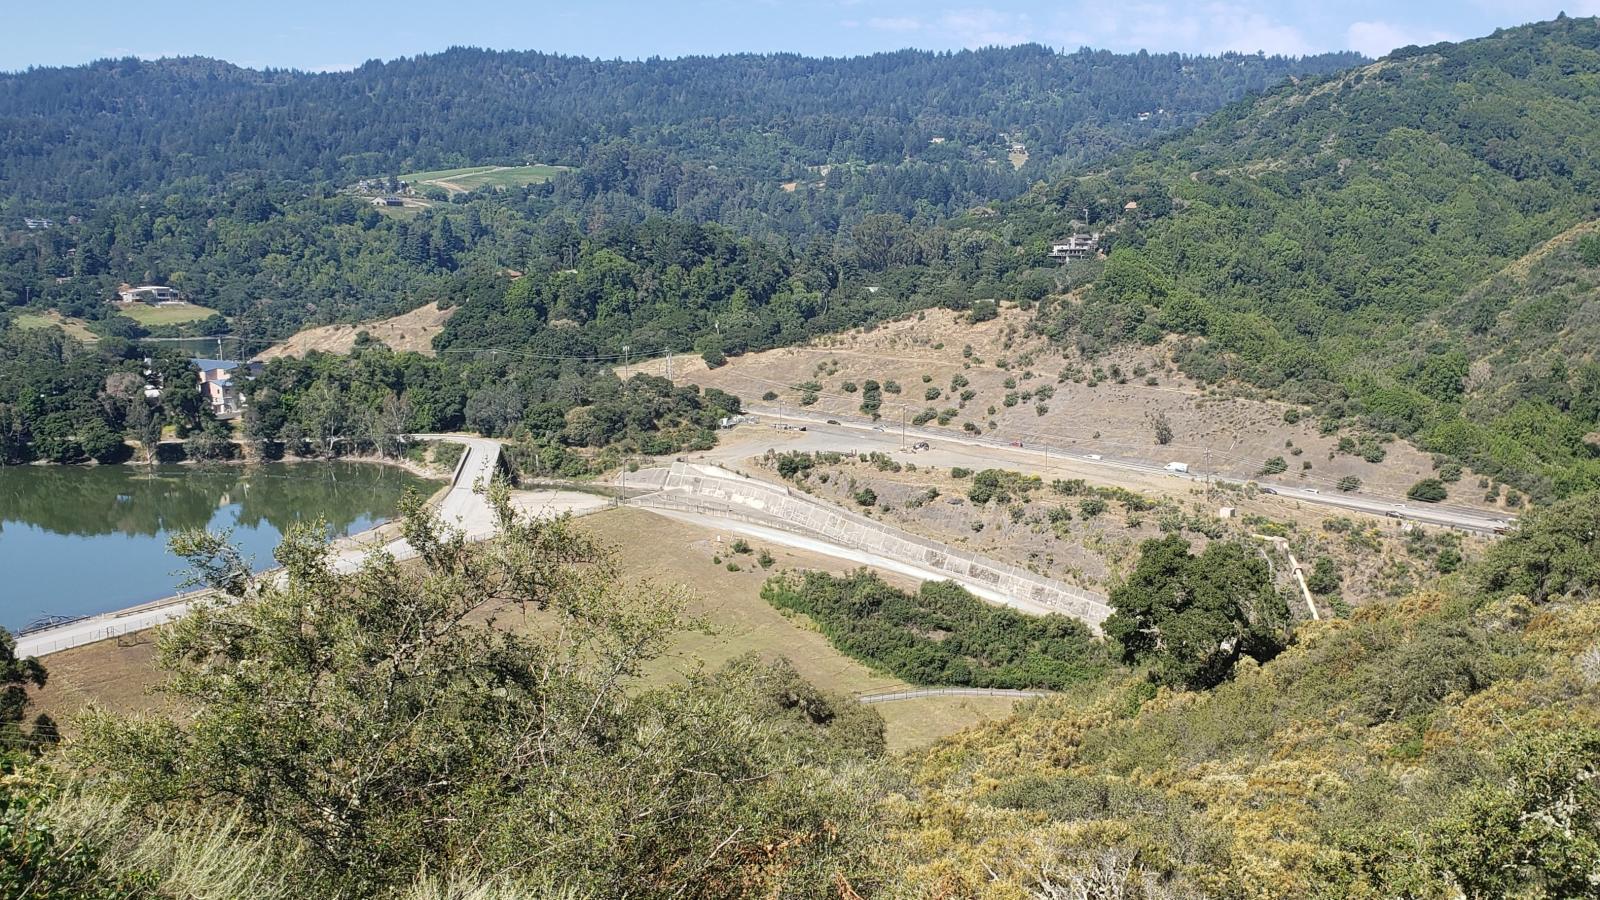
x: 445, y: 173
x: 172, y: 314
x: 474, y: 177
x: 73, y: 327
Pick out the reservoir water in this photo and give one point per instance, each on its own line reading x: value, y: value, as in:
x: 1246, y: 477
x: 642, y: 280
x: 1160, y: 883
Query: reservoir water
x: 85, y: 540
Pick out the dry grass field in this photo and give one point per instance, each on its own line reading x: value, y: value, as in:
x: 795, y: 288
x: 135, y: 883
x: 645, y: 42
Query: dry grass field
x: 471, y: 178
x: 409, y: 331
x: 75, y: 328
x: 1107, y: 405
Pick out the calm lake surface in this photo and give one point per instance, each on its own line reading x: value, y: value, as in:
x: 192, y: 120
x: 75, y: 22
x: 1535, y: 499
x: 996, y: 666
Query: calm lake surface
x: 79, y: 541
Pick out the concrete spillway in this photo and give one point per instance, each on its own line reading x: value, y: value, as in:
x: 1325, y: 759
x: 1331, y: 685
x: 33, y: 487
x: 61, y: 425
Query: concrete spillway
x: 714, y: 492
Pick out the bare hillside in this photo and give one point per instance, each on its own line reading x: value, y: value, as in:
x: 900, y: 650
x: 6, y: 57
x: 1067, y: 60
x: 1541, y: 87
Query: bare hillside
x: 995, y: 378
x: 409, y: 331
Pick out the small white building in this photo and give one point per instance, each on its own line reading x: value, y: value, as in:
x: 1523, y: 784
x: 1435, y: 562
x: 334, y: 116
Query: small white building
x: 149, y: 293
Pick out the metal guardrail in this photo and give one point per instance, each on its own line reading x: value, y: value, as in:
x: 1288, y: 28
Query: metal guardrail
x: 45, y: 623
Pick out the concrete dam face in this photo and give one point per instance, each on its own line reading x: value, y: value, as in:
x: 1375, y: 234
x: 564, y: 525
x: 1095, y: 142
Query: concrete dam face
x: 715, y: 492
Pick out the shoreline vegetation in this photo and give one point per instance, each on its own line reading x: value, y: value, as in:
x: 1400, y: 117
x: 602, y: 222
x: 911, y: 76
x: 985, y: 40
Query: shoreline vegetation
x: 435, y: 470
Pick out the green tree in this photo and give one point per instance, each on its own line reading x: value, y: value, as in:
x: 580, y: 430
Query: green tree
x: 387, y: 721
x: 213, y: 441
x: 1161, y: 426
x: 145, y: 424
x: 1552, y: 552
x: 1535, y: 832
x: 1428, y: 490
x: 16, y: 677
x: 99, y: 442
x: 1193, y: 617
x: 1324, y: 577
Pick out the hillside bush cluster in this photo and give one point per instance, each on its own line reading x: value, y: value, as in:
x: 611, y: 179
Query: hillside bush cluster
x: 940, y: 635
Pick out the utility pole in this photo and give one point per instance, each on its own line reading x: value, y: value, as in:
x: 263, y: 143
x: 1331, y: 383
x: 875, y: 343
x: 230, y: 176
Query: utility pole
x: 669, y: 363
x: 902, y: 428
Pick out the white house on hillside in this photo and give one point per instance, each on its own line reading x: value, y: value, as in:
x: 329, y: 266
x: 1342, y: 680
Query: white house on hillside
x: 149, y: 293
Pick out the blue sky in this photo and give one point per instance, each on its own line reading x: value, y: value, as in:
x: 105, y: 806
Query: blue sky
x: 339, y: 34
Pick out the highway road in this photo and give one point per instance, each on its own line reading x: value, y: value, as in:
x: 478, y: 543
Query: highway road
x: 850, y: 433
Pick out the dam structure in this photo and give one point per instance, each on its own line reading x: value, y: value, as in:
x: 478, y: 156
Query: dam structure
x: 766, y: 510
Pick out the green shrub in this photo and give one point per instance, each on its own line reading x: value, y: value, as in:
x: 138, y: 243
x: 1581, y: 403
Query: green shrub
x: 940, y: 635
x: 1428, y: 490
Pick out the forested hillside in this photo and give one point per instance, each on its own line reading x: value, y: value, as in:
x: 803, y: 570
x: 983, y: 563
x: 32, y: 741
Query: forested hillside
x: 1305, y: 242
x: 647, y: 128
x: 228, y: 183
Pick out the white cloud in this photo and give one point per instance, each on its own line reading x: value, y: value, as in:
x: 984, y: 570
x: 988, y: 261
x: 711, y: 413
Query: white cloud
x: 1196, y: 26
x: 1192, y: 27
x: 1378, y: 38
x: 333, y: 67
x: 987, y: 27
x: 1534, y: 10
x: 980, y: 27
x: 895, y: 23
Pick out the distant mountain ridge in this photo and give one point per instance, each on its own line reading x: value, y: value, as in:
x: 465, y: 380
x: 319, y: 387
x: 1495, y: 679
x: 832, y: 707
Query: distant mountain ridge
x: 148, y: 124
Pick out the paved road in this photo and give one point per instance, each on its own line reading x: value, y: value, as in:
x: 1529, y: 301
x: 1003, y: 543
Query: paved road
x: 893, y: 696
x: 460, y: 507
x: 859, y: 434
x: 463, y: 507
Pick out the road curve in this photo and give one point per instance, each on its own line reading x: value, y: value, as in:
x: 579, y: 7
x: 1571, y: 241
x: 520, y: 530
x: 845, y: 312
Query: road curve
x: 1427, y: 513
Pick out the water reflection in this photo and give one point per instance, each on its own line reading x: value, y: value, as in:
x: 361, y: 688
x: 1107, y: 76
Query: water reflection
x: 85, y: 540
